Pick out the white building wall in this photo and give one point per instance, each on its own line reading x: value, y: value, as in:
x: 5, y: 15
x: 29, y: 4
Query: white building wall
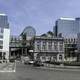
x: 6, y: 38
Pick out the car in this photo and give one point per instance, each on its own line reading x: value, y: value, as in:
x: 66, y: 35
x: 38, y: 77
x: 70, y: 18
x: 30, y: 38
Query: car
x: 38, y: 63
x: 12, y: 60
x: 31, y: 62
x: 28, y: 62
x: 24, y: 59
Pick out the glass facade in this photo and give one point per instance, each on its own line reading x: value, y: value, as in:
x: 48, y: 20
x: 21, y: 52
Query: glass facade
x: 4, y: 21
x: 68, y: 27
x: 3, y: 24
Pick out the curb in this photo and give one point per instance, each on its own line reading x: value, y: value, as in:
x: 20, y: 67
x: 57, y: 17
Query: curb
x: 7, y: 71
x: 57, y: 69
x: 61, y: 67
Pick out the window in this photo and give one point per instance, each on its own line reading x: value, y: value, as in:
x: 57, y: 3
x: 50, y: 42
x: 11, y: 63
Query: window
x: 1, y: 30
x: 38, y: 45
x: 65, y: 41
x: 61, y: 47
x: 1, y: 47
x: 61, y: 42
x: 60, y: 57
x: 1, y: 42
x: 38, y: 42
x: 68, y: 40
x: 50, y: 45
x: 72, y: 40
x: 44, y: 45
x: 1, y: 36
x: 43, y: 57
x: 56, y: 46
x: 0, y: 55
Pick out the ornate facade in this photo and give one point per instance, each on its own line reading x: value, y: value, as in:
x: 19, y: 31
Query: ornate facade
x: 49, y: 48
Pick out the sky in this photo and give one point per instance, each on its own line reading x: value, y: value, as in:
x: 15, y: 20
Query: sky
x: 41, y: 14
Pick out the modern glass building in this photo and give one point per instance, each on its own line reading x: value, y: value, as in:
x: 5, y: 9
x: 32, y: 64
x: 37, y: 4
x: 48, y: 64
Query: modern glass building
x: 4, y: 21
x: 69, y: 27
x: 4, y: 37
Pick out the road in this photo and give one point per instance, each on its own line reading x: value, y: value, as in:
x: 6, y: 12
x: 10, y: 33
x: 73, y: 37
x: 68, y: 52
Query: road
x: 24, y: 72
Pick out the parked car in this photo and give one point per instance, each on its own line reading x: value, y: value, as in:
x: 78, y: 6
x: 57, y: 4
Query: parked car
x: 12, y: 59
x: 28, y: 62
x: 24, y: 59
x: 31, y: 62
x: 38, y: 63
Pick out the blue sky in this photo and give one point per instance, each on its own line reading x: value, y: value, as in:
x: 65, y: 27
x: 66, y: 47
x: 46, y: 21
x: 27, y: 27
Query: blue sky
x: 41, y: 14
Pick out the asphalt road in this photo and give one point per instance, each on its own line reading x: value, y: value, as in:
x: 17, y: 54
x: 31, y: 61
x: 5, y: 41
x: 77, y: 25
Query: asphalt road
x: 24, y: 72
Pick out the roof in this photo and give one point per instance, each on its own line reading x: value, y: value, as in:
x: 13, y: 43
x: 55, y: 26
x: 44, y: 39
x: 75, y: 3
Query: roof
x: 1, y: 14
x: 62, y: 18
x: 48, y: 38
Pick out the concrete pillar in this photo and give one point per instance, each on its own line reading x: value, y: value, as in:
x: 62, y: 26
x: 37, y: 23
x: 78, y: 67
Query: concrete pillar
x: 7, y: 56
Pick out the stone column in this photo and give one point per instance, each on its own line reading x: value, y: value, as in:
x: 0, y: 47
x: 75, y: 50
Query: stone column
x: 58, y: 47
x: 41, y: 45
x: 47, y: 45
x: 52, y: 46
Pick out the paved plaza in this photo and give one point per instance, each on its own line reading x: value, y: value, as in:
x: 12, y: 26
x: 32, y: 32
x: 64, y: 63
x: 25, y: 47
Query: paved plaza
x: 7, y: 67
x: 28, y: 72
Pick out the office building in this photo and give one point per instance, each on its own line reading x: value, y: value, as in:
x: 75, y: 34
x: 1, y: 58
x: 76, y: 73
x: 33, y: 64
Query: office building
x: 69, y: 27
x: 4, y: 37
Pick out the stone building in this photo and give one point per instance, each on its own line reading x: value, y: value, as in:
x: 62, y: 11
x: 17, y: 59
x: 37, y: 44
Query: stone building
x: 70, y: 47
x: 47, y: 47
x: 20, y: 45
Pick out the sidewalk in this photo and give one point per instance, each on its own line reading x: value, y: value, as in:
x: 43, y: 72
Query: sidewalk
x: 59, y: 68
x: 7, y: 67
